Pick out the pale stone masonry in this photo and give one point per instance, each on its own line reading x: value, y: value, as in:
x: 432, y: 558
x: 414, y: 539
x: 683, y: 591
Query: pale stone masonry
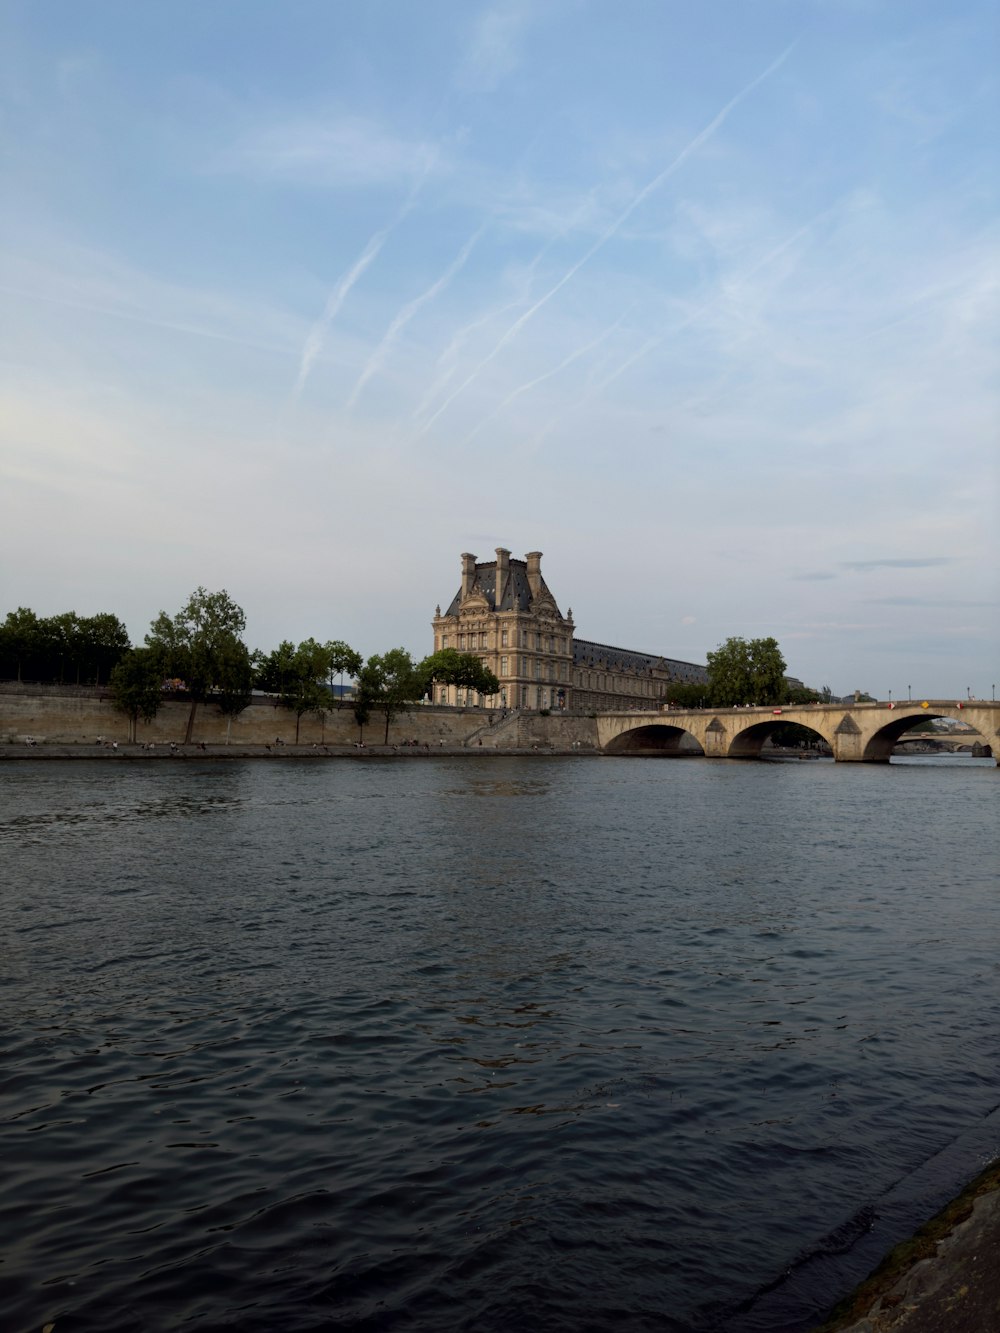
x: 505, y: 614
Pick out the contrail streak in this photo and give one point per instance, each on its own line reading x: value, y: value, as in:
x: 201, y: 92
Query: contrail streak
x: 548, y: 374
x: 701, y: 138
x: 376, y: 360
x: 463, y: 333
x: 317, y: 335
x: 690, y: 319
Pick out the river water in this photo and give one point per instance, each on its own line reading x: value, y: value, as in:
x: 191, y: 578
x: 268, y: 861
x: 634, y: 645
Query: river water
x: 486, y: 1044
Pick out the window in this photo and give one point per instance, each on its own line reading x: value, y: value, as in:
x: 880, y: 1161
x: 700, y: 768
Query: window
x: 524, y: 666
x: 538, y: 642
x: 538, y: 669
x: 461, y: 641
x: 552, y: 671
x: 482, y: 642
x: 444, y: 640
x: 503, y: 666
x: 524, y: 696
x: 524, y: 638
x: 503, y: 639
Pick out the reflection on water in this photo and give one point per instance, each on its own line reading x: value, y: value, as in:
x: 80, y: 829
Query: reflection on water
x: 624, y: 1044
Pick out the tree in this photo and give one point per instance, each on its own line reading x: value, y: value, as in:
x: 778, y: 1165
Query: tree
x: 21, y: 644
x: 304, y: 689
x: 200, y: 644
x: 103, y: 642
x: 687, y: 694
x: 450, y: 667
x: 137, y: 686
x: 276, y: 667
x: 746, y: 671
x: 235, y: 690
x: 389, y: 682
x: 795, y: 694
x: 343, y: 659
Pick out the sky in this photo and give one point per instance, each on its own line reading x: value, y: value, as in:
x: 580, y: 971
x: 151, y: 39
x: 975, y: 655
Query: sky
x: 701, y: 300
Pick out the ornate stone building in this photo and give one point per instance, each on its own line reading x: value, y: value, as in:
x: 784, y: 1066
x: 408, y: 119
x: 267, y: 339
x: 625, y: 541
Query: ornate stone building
x: 505, y: 614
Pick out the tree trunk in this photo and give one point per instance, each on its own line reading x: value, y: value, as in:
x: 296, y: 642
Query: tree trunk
x: 298, y: 719
x: 190, y: 726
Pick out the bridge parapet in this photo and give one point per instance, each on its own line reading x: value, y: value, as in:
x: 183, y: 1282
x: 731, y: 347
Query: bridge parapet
x: 855, y: 733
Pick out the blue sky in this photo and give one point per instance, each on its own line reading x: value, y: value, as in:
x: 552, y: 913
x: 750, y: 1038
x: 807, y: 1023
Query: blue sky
x: 701, y: 300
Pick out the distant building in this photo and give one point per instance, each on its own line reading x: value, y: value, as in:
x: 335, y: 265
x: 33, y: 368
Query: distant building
x: 505, y: 614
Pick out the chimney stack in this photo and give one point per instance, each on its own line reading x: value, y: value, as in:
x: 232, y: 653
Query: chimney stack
x: 503, y: 571
x: 534, y: 559
x: 468, y: 573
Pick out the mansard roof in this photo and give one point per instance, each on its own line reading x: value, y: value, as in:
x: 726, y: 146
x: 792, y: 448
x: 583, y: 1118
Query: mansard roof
x: 589, y: 654
x: 515, y: 595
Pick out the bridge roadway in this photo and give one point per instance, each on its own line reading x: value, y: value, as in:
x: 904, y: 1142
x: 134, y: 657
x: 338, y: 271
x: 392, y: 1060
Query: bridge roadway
x: 856, y: 733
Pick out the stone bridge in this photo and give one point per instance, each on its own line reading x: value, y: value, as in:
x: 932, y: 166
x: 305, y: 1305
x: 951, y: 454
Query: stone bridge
x: 856, y: 733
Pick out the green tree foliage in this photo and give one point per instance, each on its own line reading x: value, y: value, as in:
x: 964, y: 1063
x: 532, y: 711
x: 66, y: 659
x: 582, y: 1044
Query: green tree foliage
x: 343, y: 661
x: 304, y: 686
x: 389, y: 683
x: 450, y: 667
x: 796, y: 694
x: 687, y: 694
x: 68, y: 648
x: 746, y: 671
x: 202, y: 645
x: 275, y: 669
x: 137, y: 686
x: 236, y: 676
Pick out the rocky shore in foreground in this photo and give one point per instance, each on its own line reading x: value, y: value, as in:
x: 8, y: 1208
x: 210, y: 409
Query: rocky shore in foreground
x: 945, y: 1279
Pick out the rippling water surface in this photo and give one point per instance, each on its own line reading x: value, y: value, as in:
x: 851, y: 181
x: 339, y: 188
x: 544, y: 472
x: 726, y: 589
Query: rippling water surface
x: 470, y: 1044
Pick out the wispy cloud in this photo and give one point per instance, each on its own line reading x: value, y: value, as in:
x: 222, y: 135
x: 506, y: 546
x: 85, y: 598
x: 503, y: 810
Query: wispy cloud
x: 639, y: 198
x: 400, y: 321
x: 548, y: 374
x: 494, y: 49
x: 317, y: 335
x: 333, y: 152
x: 918, y: 562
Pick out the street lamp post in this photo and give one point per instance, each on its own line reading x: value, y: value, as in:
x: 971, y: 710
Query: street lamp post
x: 909, y: 694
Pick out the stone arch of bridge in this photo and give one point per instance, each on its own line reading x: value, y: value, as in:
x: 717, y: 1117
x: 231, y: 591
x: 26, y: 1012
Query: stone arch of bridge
x: 654, y: 738
x: 879, y: 746
x: 748, y: 741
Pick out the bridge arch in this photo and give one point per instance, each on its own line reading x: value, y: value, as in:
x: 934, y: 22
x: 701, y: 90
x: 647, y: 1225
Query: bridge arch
x: 748, y: 742
x: 654, y: 738
x: 879, y: 747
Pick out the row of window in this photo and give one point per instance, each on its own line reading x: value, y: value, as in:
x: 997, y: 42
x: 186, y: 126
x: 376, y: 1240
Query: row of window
x: 519, y: 696
x: 595, y: 680
x: 548, y: 643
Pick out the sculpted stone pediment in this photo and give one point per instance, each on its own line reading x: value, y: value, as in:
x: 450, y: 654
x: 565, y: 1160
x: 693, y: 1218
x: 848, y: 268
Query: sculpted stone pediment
x: 474, y: 604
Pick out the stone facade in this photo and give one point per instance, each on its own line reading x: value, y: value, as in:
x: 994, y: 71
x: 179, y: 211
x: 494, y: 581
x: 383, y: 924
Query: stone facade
x: 506, y: 616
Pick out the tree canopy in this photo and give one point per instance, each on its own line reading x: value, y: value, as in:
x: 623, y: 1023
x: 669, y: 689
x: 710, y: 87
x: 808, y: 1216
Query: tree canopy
x: 304, y: 674
x: 65, y: 648
x: 137, y: 686
x: 450, y: 667
x: 202, y: 645
x: 388, y: 682
x: 746, y: 671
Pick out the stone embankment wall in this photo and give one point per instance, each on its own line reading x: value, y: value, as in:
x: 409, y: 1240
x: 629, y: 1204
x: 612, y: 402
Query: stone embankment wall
x: 79, y: 715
